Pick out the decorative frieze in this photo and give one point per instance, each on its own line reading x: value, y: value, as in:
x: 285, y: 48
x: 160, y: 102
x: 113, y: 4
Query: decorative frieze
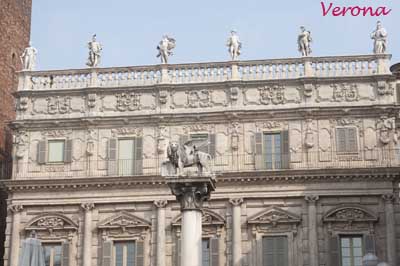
x: 345, y: 93
x: 272, y: 95
x: 128, y: 102
x: 197, y: 99
x: 131, y: 131
x: 57, y: 133
x: 58, y: 105
x: 384, y: 88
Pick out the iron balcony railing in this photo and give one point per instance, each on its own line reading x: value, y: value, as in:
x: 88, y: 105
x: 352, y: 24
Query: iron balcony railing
x: 220, y: 164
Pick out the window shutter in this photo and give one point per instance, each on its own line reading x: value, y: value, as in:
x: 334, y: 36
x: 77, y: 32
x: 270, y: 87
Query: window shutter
x: 112, y: 156
x: 68, y: 151
x: 214, y: 248
x: 341, y: 140
x: 285, y: 149
x: 211, y: 146
x: 107, y: 253
x: 334, y: 259
x: 177, y: 253
x: 138, y: 156
x: 41, y: 152
x: 140, y: 253
x: 65, y: 253
x: 258, y: 156
x: 369, y: 243
x: 268, y: 251
x: 351, y: 140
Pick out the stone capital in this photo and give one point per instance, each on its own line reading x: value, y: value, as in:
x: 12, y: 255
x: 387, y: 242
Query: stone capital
x: 87, y: 206
x: 388, y: 198
x: 311, y: 199
x: 160, y: 203
x: 191, y: 192
x: 15, y: 208
x: 236, y: 201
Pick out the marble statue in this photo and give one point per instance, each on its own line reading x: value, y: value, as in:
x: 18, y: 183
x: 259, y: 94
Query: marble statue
x: 28, y: 58
x: 95, y: 49
x: 186, y: 155
x: 165, y: 47
x: 304, y: 41
x: 234, y: 45
x: 379, y: 35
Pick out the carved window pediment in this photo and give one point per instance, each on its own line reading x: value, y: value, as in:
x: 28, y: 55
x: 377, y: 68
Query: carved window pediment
x: 51, y: 222
x: 208, y: 218
x: 124, y: 220
x: 350, y: 214
x: 274, y: 216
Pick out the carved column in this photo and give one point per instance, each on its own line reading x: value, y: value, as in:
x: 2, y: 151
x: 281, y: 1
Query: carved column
x: 160, y: 204
x: 87, y: 235
x: 15, y: 237
x: 312, y: 229
x: 236, y: 231
x: 390, y: 229
x: 191, y: 192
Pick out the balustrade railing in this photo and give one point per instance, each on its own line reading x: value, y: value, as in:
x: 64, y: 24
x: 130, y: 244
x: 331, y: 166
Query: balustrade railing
x: 381, y: 158
x: 273, y: 69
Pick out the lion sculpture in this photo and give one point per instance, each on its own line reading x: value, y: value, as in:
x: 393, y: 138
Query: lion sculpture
x: 186, y: 155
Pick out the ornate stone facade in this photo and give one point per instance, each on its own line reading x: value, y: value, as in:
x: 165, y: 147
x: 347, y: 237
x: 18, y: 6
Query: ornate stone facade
x: 307, y: 150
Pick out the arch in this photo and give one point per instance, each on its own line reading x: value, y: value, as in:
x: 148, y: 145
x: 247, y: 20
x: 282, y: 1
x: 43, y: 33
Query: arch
x: 350, y: 213
x: 274, y: 215
x: 123, y: 220
x: 51, y: 221
x: 209, y: 218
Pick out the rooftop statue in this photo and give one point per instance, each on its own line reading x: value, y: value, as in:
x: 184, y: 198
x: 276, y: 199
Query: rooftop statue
x: 28, y: 58
x: 165, y: 48
x: 379, y: 35
x: 234, y: 45
x: 186, y: 155
x: 95, y: 49
x: 304, y: 42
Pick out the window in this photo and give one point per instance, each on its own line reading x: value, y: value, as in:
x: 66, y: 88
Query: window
x: 52, y: 254
x: 272, y: 150
x: 56, y: 151
x: 124, y: 253
x: 351, y: 250
x: 125, y: 156
x: 275, y: 251
x: 204, y: 142
x: 346, y: 140
x: 209, y: 251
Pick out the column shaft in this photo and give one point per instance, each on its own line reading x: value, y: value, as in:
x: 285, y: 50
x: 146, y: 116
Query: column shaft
x: 312, y: 230
x: 191, y: 238
x: 160, y: 249
x: 236, y: 231
x: 87, y: 234
x: 390, y: 230
x: 15, y: 238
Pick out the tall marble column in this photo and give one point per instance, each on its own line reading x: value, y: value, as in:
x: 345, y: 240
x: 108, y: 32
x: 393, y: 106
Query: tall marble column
x: 236, y: 231
x: 160, y: 255
x: 390, y: 229
x: 87, y: 235
x: 15, y: 230
x: 312, y: 229
x: 191, y: 192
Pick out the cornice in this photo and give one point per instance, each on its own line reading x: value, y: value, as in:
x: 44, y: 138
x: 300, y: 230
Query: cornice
x: 254, y: 177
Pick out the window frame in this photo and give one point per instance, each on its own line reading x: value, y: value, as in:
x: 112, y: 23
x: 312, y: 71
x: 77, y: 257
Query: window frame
x: 124, y: 255
x: 258, y: 251
x: 357, y: 141
x: 53, y: 244
x: 352, y: 236
x: 49, y: 141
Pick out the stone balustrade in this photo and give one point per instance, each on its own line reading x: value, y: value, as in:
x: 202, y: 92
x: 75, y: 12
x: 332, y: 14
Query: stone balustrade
x: 273, y: 69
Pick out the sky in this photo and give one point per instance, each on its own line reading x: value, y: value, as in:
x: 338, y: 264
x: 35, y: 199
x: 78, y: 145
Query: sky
x: 130, y: 30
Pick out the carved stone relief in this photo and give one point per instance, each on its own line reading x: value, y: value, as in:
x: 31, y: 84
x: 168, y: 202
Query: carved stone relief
x: 199, y: 127
x: 198, y: 99
x: 235, y: 130
x: 384, y: 88
x: 57, y: 133
x: 345, y: 93
x: 91, y: 100
x: 386, y: 126
x: 128, y: 102
x: 325, y: 140
x: 234, y: 95
x: 58, y: 105
x: 22, y: 104
x: 124, y: 221
x: 309, y: 133
x: 296, y: 141
x: 20, y: 144
x: 61, y: 105
x: 91, y: 139
x: 162, y: 139
x: 272, y: 95
x: 163, y: 97
x: 51, y: 222
x: 131, y: 131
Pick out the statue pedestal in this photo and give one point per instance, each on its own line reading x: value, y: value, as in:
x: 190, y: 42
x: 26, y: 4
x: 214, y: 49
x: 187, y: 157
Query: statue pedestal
x: 191, y: 192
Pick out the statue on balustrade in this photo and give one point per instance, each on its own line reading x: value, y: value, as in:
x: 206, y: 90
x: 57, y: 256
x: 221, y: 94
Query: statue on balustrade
x: 304, y: 41
x: 379, y: 35
x: 95, y: 49
x: 186, y: 155
x: 234, y: 45
x: 28, y: 58
x: 165, y: 47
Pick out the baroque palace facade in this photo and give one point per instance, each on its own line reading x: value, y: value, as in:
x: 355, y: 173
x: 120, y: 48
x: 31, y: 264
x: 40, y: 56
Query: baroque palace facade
x: 305, y: 151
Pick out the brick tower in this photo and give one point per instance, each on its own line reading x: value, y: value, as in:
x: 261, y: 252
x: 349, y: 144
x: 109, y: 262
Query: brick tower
x: 15, y: 25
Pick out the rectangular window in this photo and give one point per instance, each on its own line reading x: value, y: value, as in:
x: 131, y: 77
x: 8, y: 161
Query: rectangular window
x: 56, y: 151
x: 126, y: 156
x: 52, y: 254
x: 205, y: 252
x: 275, y: 251
x: 124, y: 253
x: 272, y: 151
x: 351, y: 250
x: 201, y: 141
x: 346, y: 140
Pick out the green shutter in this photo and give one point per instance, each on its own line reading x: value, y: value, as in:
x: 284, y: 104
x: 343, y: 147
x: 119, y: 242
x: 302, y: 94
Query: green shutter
x: 41, y: 152
x: 107, y: 253
x: 285, y: 149
x: 139, y: 253
x: 334, y: 256
x: 65, y: 254
x: 68, y: 151
x: 138, y: 158
x: 369, y: 243
x: 112, y: 157
x: 268, y: 251
x: 258, y: 152
x: 211, y: 146
x: 214, y: 248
